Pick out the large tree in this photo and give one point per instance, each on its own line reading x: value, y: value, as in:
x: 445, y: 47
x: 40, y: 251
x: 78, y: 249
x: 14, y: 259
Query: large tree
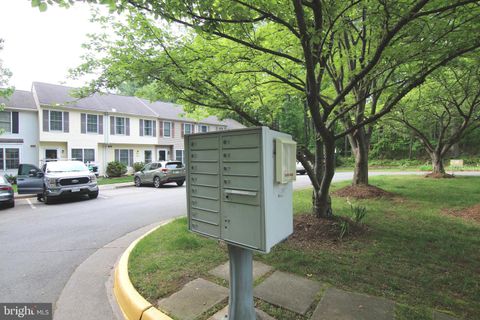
x: 5, y: 75
x: 443, y: 109
x: 351, y: 61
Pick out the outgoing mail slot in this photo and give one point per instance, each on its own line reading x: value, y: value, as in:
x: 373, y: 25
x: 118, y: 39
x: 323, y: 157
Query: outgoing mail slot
x: 246, y: 183
x: 241, y: 141
x: 204, y: 143
x: 205, y: 204
x: 205, y: 180
x: 203, y: 167
x: 206, y: 216
x: 241, y: 196
x: 205, y: 228
x: 242, y: 169
x: 238, y: 155
x: 204, y: 155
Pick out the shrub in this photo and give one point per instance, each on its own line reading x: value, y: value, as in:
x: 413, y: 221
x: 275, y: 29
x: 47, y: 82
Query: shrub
x: 116, y: 169
x: 137, y: 166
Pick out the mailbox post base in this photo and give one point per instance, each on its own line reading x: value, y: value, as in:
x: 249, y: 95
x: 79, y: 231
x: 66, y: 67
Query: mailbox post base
x: 240, y: 304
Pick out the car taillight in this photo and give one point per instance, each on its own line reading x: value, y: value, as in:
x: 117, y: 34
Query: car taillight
x: 165, y: 170
x: 6, y: 188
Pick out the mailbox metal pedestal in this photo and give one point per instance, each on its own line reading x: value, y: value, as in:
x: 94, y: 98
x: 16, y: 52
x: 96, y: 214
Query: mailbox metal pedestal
x: 240, y: 304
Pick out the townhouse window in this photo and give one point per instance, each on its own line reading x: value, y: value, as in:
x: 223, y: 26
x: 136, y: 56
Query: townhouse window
x: 92, y: 123
x: 148, y: 156
x: 9, y: 158
x: 56, y: 120
x: 167, y: 129
x: 84, y: 155
x: 119, y: 125
x: 179, y: 155
x: 203, y: 128
x: 148, y: 127
x: 6, y: 121
x: 187, y: 128
x: 124, y: 156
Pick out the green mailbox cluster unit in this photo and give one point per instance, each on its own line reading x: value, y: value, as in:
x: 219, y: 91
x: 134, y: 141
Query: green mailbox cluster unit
x: 239, y: 186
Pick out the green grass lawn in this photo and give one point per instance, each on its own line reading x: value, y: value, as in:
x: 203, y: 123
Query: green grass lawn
x: 413, y: 253
x: 115, y: 180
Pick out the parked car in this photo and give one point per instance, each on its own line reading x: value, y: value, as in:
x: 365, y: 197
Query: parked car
x: 6, y: 193
x: 300, y: 169
x: 158, y: 173
x: 57, y: 179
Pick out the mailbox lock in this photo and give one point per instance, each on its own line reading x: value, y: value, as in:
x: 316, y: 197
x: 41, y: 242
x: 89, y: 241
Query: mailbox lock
x: 226, y: 155
x: 226, y: 141
x: 194, y: 179
x: 194, y: 190
x: 226, y: 181
x: 194, y: 202
x: 194, y: 167
x: 193, y: 155
x: 226, y: 168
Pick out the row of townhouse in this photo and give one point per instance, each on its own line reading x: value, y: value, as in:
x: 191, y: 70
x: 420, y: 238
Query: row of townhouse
x: 49, y: 123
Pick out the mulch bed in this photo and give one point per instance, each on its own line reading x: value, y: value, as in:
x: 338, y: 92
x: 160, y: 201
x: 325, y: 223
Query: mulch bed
x: 472, y: 213
x: 363, y: 192
x: 439, y: 176
x: 310, y: 232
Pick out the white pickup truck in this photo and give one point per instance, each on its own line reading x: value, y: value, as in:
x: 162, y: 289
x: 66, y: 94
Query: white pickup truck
x: 57, y: 179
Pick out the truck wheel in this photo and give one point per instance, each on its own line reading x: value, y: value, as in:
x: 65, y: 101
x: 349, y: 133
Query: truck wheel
x: 46, y: 198
x: 93, y: 195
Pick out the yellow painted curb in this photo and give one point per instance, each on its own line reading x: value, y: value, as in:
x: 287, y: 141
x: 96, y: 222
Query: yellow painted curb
x: 131, y: 303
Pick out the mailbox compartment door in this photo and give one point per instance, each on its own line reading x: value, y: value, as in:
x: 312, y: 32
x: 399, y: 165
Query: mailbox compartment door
x: 242, y: 224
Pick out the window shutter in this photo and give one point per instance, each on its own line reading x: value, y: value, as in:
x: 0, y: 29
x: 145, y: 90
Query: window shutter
x: 14, y: 122
x: 112, y: 125
x: 83, y: 123
x: 130, y: 157
x: 193, y: 128
x: 100, y: 124
x: 183, y: 130
x: 160, y: 131
x: 117, y: 155
x: 154, y: 128
x: 127, y: 126
x: 141, y: 127
x: 173, y: 129
x: 66, y: 122
x: 46, y: 121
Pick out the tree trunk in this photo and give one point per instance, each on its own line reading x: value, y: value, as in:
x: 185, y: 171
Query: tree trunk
x: 437, y: 163
x: 360, y: 147
x: 325, y: 169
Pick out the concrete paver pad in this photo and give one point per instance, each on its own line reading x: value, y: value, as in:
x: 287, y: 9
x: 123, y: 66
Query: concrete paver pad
x: 341, y: 305
x: 223, y: 270
x: 223, y: 315
x: 288, y: 291
x: 442, y: 316
x: 195, y: 298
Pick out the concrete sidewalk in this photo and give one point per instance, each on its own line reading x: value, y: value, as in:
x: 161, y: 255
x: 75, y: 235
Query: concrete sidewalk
x: 291, y: 293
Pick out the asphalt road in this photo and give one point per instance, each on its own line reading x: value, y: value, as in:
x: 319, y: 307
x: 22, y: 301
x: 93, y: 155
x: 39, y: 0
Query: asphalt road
x: 41, y: 245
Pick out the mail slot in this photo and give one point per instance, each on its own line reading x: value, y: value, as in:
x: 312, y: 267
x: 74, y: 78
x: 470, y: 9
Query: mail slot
x: 241, y: 196
x: 239, y: 186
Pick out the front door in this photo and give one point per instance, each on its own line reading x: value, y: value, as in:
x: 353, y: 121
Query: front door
x: 162, y: 155
x: 51, y: 154
x: 29, y: 179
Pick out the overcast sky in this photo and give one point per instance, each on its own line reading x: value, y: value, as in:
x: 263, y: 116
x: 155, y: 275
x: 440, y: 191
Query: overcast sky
x: 42, y: 46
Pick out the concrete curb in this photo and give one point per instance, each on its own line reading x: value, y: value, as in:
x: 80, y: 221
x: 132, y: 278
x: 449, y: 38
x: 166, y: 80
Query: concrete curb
x: 131, y: 303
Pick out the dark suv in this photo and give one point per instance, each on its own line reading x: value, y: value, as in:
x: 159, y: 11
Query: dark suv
x: 57, y: 179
